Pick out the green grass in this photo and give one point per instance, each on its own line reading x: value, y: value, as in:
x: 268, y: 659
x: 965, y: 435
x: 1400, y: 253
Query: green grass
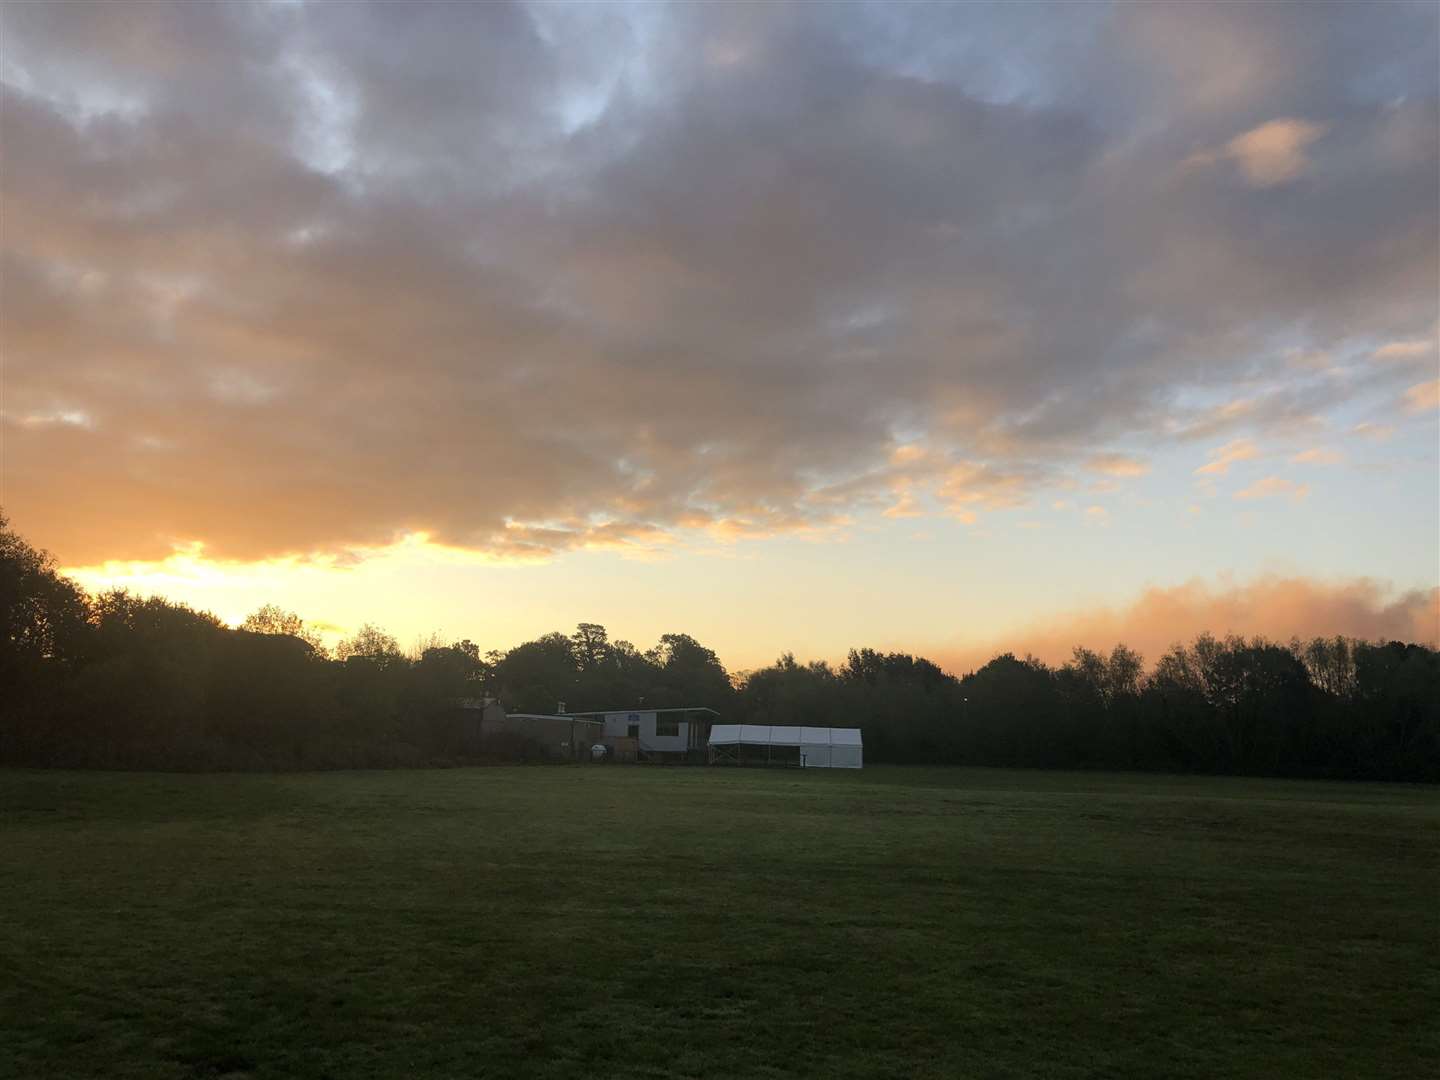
x: 650, y: 922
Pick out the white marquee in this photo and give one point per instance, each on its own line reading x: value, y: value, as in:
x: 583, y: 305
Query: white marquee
x: 819, y: 747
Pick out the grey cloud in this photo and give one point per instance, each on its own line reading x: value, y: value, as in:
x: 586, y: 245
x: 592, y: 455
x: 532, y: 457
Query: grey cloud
x: 529, y: 279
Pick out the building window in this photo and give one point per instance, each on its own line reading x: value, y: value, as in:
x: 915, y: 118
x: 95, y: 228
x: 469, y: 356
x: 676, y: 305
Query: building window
x: 665, y: 727
x: 633, y: 731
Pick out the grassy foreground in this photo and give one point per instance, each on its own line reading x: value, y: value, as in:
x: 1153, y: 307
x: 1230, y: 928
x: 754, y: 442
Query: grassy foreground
x: 613, y: 921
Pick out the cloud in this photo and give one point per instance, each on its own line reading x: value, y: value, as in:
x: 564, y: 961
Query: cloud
x: 323, y: 276
x: 1311, y: 359
x: 1274, y: 152
x: 1423, y: 397
x: 1317, y: 455
x: 969, y: 485
x: 906, y: 506
x: 1117, y: 465
x: 1272, y: 487
x: 71, y: 417
x: 1222, y: 457
x: 1374, y: 432
x: 1404, y: 351
x: 1277, y: 607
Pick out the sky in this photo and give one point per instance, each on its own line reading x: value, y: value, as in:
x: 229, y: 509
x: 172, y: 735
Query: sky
x: 943, y: 328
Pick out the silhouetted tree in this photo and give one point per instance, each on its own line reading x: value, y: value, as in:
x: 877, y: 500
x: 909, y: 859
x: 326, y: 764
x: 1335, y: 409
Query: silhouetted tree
x: 370, y: 643
x: 538, y: 675
x: 42, y: 614
x: 688, y: 673
x: 273, y: 619
x: 590, y: 646
x: 45, y: 637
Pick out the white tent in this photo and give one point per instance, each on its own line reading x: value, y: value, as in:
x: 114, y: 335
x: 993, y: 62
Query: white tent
x: 847, y: 751
x: 808, y: 747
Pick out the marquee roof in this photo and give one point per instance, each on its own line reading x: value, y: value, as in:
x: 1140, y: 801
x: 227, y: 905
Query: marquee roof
x: 776, y: 735
x: 642, y: 709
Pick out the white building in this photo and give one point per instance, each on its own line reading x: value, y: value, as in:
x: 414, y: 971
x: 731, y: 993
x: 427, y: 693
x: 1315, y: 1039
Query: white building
x: 657, y: 733
x: 807, y: 747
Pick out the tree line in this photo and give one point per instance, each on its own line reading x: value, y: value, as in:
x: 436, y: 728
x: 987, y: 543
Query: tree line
x: 122, y: 681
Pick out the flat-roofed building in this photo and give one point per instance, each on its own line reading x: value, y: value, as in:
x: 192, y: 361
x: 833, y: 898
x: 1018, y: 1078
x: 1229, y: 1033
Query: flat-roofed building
x: 656, y: 734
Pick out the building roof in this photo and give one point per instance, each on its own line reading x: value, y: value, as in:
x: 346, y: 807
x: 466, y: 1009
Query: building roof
x: 579, y: 719
x: 777, y: 735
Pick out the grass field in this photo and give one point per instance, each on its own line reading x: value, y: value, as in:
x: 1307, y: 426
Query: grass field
x: 613, y: 921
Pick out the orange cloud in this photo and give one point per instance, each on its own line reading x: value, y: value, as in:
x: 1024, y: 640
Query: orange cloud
x: 1222, y: 457
x: 1274, y: 607
x: 1423, y: 397
x: 1273, y: 153
x: 1317, y: 455
x: 1117, y: 465
x: 1403, y: 351
x: 905, y: 506
x: 1273, y: 487
x: 967, y: 485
